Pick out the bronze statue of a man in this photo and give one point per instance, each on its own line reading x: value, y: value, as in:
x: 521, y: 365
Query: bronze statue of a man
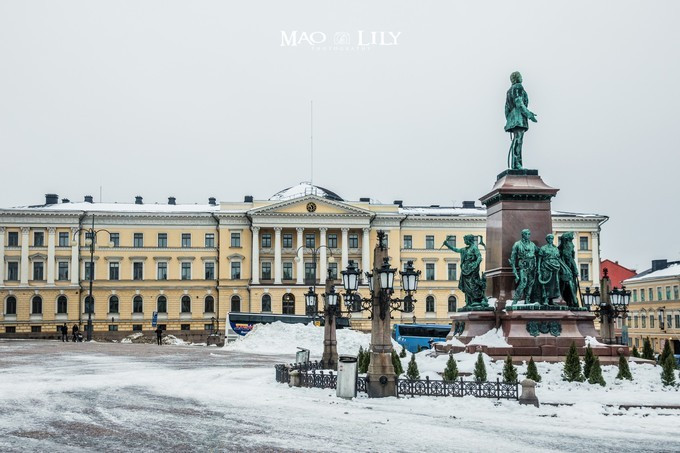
x: 472, y: 285
x: 517, y: 115
x: 523, y: 262
x: 569, y: 273
x: 549, y: 266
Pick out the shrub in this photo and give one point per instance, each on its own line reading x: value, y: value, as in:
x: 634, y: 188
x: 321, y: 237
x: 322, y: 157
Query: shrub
x: 668, y: 371
x: 509, y: 370
x: 635, y: 352
x: 396, y: 363
x: 588, y: 361
x: 480, y: 369
x: 572, y: 366
x: 647, y: 351
x: 624, y: 369
x: 532, y: 371
x: 596, y: 373
x: 402, y: 354
x: 412, y: 370
x: 451, y: 371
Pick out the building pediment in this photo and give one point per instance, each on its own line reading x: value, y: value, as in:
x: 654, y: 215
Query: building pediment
x: 310, y: 205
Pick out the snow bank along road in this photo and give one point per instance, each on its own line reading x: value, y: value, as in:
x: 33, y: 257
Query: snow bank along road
x: 120, y: 397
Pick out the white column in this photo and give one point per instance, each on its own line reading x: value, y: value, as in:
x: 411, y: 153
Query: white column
x: 323, y: 264
x: 277, y: 256
x: 365, y: 253
x: 51, y: 233
x: 596, y: 259
x: 345, y: 247
x: 24, y: 255
x: 301, y: 258
x: 75, y: 261
x: 2, y: 256
x: 255, y: 271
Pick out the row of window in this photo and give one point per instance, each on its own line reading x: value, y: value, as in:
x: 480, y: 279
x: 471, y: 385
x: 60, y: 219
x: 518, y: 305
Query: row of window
x: 113, y: 328
x: 647, y: 294
x: 114, y: 303
x: 640, y: 321
x: 64, y: 239
x: 430, y: 244
x: 310, y: 240
x: 114, y: 270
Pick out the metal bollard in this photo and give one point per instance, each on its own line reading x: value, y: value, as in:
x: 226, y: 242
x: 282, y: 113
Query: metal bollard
x: 528, y: 395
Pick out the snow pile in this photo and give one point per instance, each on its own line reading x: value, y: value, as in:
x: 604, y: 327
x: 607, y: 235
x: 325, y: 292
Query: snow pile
x: 493, y: 339
x: 171, y: 339
x: 132, y: 338
x: 453, y: 341
x: 492, y: 301
x: 281, y: 338
x: 592, y: 341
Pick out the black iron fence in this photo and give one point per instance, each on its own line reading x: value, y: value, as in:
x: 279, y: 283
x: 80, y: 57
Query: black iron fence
x: 311, y: 375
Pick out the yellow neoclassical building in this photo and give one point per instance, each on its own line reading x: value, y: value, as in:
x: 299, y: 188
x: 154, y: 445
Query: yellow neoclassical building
x: 192, y: 263
x: 654, y: 310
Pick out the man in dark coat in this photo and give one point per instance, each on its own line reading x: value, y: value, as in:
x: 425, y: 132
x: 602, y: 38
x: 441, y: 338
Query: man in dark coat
x: 159, y: 333
x: 64, y: 333
x: 75, y: 332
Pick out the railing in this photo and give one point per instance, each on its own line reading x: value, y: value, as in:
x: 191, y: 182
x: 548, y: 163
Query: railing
x: 479, y: 389
x: 312, y: 376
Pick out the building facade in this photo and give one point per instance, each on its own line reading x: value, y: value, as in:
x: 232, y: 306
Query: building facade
x: 654, y: 310
x: 192, y: 263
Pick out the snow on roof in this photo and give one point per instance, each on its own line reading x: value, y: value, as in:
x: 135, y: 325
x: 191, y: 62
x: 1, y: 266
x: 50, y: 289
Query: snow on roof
x: 434, y: 210
x: 302, y: 189
x: 671, y: 271
x: 120, y: 207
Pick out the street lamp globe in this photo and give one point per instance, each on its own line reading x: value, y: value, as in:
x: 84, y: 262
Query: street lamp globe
x: 409, y: 278
x: 310, y: 299
x: 88, y: 241
x: 350, y: 277
x: 386, y: 275
x: 331, y: 298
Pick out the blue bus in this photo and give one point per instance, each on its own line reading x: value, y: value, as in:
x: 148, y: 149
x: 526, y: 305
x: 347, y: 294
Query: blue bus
x: 415, y: 337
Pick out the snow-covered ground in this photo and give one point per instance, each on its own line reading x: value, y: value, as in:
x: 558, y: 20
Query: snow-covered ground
x: 122, y: 397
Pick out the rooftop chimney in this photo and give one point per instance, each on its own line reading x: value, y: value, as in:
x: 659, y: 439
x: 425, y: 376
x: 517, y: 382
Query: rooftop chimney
x: 399, y: 203
x: 248, y: 199
x: 657, y: 265
x: 365, y: 200
x: 138, y: 200
x: 88, y: 199
x: 51, y: 198
x: 469, y: 204
x: 212, y: 201
x: 434, y: 205
x: 65, y: 200
x: 171, y: 200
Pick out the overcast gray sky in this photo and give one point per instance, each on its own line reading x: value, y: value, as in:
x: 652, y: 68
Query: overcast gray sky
x: 200, y: 98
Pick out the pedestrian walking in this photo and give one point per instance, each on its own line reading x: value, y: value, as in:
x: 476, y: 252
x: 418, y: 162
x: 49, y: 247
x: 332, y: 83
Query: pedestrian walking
x: 159, y: 333
x: 75, y: 329
x: 64, y: 333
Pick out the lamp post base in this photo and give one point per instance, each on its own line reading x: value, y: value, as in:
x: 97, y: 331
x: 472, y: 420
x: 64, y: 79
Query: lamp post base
x: 381, y: 378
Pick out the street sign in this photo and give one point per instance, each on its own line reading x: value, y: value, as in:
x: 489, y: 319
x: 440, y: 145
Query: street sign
x: 154, y: 319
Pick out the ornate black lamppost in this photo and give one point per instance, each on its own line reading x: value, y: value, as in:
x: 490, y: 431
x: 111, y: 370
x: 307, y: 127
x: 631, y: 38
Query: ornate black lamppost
x: 329, y: 359
x: 608, y: 306
x: 381, y: 379
x: 90, y: 241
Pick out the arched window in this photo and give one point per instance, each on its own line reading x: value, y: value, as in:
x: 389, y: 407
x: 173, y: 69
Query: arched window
x: 635, y: 320
x: 89, y: 304
x: 209, y: 306
x: 62, y: 304
x: 644, y: 320
x: 137, y: 304
x: 162, y: 304
x: 266, y: 303
x: 429, y: 304
x: 288, y: 304
x: 36, y: 305
x: 11, y: 305
x: 113, y: 304
x: 453, y: 304
x: 186, y: 304
x: 651, y: 321
x: 235, y: 304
